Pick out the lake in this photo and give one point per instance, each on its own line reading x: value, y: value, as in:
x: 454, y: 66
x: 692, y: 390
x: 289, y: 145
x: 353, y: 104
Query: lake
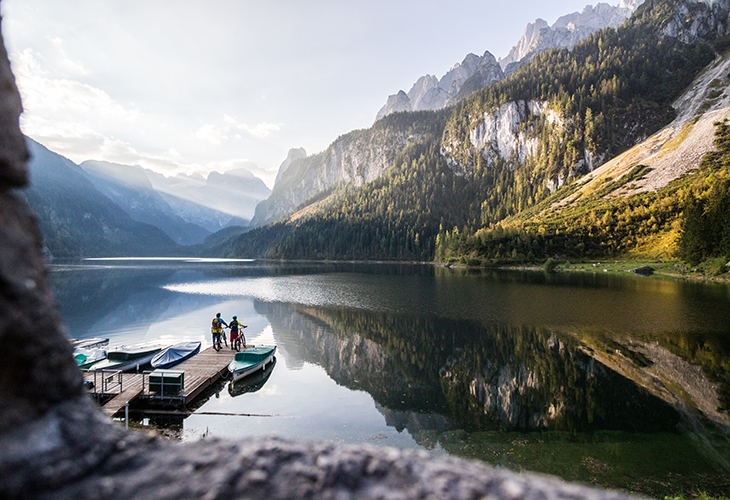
x: 621, y: 381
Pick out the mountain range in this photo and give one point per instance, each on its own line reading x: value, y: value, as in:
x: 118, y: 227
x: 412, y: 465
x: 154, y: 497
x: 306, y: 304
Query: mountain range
x: 593, y: 137
x: 474, y: 72
x: 591, y: 149
x: 344, y: 160
x: 78, y: 220
x: 106, y: 209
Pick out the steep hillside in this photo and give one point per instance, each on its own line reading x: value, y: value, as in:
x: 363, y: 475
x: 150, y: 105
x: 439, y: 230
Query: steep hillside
x: 79, y: 221
x: 371, y: 150
x: 353, y: 160
x: 667, y: 197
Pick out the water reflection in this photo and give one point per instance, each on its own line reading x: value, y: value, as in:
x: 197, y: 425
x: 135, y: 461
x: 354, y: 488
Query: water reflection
x: 599, y: 378
x: 480, y: 377
x: 253, y: 382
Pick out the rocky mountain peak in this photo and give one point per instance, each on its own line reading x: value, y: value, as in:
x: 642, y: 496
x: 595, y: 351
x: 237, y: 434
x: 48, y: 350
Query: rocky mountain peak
x: 293, y: 155
x: 566, y: 31
x: 474, y: 72
x: 430, y: 93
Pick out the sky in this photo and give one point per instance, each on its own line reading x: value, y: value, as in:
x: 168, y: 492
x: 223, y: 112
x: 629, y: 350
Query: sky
x: 183, y: 86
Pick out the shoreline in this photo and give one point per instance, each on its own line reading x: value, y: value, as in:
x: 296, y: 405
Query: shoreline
x: 666, y: 270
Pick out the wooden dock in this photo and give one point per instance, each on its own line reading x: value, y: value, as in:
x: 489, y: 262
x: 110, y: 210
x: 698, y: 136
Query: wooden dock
x: 201, y: 371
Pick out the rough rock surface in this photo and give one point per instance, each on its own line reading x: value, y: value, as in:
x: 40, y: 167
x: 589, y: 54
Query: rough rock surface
x: 566, y: 31
x: 430, y: 93
x: 55, y: 443
x: 354, y: 159
x: 294, y: 154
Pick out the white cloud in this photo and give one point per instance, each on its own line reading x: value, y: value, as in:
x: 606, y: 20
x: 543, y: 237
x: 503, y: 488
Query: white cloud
x: 217, y: 134
x: 212, y: 133
x: 260, y: 130
x: 63, y: 63
x: 61, y: 98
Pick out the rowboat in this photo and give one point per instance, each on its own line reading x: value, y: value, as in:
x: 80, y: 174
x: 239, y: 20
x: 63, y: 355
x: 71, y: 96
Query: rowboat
x: 251, y: 360
x: 175, y: 354
x: 128, y: 358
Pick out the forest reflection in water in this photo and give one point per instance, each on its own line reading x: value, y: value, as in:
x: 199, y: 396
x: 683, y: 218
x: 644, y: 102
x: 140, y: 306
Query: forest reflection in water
x: 579, y: 405
x: 616, y: 381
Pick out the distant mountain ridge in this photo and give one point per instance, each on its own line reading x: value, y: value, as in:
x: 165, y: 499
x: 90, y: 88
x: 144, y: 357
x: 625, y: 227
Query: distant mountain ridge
x: 566, y: 31
x: 218, y: 200
x: 430, y: 93
x: 77, y: 220
x: 130, y: 188
x: 104, y: 209
x: 474, y: 72
x: 187, y: 207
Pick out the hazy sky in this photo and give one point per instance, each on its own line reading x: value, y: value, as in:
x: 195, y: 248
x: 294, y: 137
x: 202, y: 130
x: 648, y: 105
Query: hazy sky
x: 193, y: 85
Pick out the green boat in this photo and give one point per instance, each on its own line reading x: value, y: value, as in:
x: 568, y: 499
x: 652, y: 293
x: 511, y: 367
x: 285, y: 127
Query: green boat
x: 86, y: 358
x: 251, y: 360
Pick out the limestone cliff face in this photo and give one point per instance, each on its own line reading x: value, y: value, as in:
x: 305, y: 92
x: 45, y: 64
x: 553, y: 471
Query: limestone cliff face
x: 294, y: 154
x: 694, y: 19
x: 354, y: 159
x: 507, y: 134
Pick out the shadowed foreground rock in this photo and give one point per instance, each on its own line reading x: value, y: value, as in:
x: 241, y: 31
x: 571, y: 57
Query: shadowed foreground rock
x: 55, y: 443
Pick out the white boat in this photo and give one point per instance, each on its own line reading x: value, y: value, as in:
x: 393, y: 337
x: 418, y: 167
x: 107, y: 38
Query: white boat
x: 126, y: 358
x: 251, y: 360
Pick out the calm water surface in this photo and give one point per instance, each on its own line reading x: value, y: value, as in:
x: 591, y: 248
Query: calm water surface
x: 620, y: 381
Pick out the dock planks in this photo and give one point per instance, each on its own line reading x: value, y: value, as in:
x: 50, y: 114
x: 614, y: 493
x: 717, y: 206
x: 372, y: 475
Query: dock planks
x: 131, y: 388
x: 201, y: 371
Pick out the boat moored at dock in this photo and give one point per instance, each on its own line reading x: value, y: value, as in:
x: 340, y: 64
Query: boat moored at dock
x: 127, y: 358
x: 175, y: 354
x: 250, y: 361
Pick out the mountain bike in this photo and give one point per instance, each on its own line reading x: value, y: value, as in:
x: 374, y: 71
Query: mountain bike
x: 240, y: 340
x: 217, y: 340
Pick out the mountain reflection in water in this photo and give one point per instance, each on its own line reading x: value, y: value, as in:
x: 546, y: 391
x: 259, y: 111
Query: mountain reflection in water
x: 611, y: 380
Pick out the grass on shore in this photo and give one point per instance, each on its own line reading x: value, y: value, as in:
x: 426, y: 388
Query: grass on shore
x: 713, y: 269
x: 701, y: 496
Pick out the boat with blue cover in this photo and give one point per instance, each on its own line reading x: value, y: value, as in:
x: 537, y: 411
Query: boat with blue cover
x: 175, y: 354
x: 251, y: 360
